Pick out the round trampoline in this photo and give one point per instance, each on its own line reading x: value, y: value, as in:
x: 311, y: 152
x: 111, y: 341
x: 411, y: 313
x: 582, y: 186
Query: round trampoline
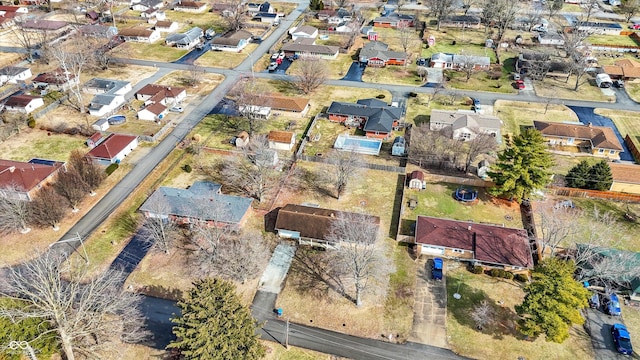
x: 466, y: 194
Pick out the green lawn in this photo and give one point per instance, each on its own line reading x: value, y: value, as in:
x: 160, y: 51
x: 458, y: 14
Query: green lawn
x: 611, y: 40
x: 560, y: 89
x: 437, y: 200
x: 53, y: 147
x: 500, y: 339
x: 419, y: 108
x: 157, y: 51
x: 626, y: 122
x: 515, y: 114
x: 225, y: 59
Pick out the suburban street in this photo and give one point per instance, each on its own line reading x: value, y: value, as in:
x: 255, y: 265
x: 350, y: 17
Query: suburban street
x: 159, y: 311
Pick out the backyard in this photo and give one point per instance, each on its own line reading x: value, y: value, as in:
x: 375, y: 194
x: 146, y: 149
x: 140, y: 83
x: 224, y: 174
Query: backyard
x: 500, y: 339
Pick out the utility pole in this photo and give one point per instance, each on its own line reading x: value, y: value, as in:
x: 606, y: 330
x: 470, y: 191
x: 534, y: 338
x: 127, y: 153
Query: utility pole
x: 286, y: 334
x: 77, y: 238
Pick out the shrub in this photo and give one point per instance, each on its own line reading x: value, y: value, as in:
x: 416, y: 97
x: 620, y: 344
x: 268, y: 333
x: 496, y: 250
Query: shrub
x: 477, y: 269
x: 111, y: 168
x: 521, y: 277
x: 508, y: 275
x: 380, y: 96
x: 494, y: 75
x: 31, y: 123
x: 187, y: 168
x: 495, y: 272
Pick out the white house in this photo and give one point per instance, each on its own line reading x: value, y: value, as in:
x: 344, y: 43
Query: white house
x: 464, y: 125
x: 153, y: 112
x: 186, y: 40
x: 281, y: 140
x: 166, y: 26
x: 100, y: 125
x: 23, y: 103
x: 139, y: 34
x: 109, y: 95
x: 14, y: 74
x: 550, y: 39
x: 113, y: 149
x: 269, y: 18
x: 144, y: 5
x: 233, y: 41
x: 305, y: 31
x: 190, y: 6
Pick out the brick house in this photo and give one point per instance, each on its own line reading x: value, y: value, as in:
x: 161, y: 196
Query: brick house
x: 377, y: 54
x: 376, y: 118
x: 22, y: 180
x: 597, y: 140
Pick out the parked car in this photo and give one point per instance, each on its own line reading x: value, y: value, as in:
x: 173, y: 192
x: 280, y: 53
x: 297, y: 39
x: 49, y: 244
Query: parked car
x: 476, y: 104
x: 177, y: 109
x: 594, y: 301
x: 436, y: 269
x: 273, y: 66
x: 421, y: 62
x: 274, y: 56
x: 621, y: 339
x: 520, y: 84
x: 618, y: 83
x: 635, y: 26
x: 281, y: 55
x: 612, y: 305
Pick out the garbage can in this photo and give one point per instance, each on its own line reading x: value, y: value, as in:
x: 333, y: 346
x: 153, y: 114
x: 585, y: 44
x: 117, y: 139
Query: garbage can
x: 279, y: 312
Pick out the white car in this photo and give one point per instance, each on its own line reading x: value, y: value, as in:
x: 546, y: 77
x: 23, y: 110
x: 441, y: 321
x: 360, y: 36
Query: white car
x: 273, y: 66
x: 177, y: 109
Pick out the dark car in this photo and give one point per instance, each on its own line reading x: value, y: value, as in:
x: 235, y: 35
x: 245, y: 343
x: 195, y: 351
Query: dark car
x: 621, y: 339
x: 612, y: 305
x: 618, y: 83
x: 436, y: 269
x: 476, y: 104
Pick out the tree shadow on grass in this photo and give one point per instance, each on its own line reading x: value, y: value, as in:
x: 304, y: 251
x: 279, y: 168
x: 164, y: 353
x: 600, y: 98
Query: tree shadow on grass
x: 397, y: 206
x: 312, y: 273
x: 503, y: 322
x: 309, y: 180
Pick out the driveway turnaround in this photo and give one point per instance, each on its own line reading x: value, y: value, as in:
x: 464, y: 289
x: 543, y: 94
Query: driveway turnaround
x: 355, y: 72
x: 598, y: 325
x: 430, y: 309
x: 587, y: 116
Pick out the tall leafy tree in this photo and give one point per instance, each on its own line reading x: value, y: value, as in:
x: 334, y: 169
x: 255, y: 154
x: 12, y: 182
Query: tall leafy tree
x: 215, y: 325
x: 578, y: 176
x: 36, y: 332
x: 600, y: 176
x: 522, y: 167
x: 553, y: 301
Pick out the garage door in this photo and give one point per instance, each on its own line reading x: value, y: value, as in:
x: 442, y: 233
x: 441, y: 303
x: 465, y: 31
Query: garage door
x: 433, y: 250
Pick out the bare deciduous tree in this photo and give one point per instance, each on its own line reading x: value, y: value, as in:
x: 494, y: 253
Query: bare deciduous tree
x: 74, y: 58
x: 440, y: 9
x: 233, y: 15
x: 194, y: 75
x: 89, y: 317
x: 558, y: 226
x: 249, y: 96
x: 482, y: 314
x: 407, y: 37
x: 576, y: 53
x: 90, y: 172
x: 160, y: 229
x: 357, y: 255
x: 467, y: 66
x: 255, y: 255
x: 28, y: 39
x: 45, y: 209
x: 483, y: 143
x: 503, y: 14
x: 311, y: 74
x: 14, y: 213
x: 629, y: 9
x: 70, y: 185
x: 434, y: 148
x: 346, y: 166
x: 251, y: 172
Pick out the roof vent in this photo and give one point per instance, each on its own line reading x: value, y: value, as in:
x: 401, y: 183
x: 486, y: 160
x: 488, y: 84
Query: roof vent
x: 469, y: 227
x: 12, y: 169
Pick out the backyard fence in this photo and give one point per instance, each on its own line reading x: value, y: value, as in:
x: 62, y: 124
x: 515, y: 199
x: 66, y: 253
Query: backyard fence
x: 50, y: 107
x: 606, y: 195
x: 458, y: 180
x: 389, y: 168
x: 632, y: 147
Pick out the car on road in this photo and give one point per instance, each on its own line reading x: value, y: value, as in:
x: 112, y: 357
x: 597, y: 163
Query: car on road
x: 618, y: 83
x: 436, y: 269
x: 621, y: 339
x: 177, y: 109
x: 273, y: 66
x: 612, y: 305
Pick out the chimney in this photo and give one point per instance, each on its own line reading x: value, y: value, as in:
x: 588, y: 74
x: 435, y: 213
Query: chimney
x: 589, y: 124
x: 469, y: 227
x: 12, y: 169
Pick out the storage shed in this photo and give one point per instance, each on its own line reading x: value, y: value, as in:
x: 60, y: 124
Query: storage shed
x: 416, y: 180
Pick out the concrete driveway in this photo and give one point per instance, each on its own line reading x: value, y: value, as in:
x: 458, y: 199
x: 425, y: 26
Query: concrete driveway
x: 598, y: 325
x: 430, y: 308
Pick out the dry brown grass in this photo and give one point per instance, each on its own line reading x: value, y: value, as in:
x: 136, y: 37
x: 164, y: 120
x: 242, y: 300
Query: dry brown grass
x: 515, y: 114
x: 560, y: 89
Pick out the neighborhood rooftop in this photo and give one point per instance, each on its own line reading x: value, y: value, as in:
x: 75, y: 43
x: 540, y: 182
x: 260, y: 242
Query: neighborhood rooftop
x: 600, y: 136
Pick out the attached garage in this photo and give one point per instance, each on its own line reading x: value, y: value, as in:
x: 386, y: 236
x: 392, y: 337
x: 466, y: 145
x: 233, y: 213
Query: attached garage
x: 431, y: 250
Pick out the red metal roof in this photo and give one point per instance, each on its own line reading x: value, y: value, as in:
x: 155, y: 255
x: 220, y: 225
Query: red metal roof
x: 111, y: 146
x: 24, y: 176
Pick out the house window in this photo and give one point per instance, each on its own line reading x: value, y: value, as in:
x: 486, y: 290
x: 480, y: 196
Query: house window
x: 465, y: 136
x: 600, y: 151
x: 570, y: 141
x: 612, y: 152
x: 458, y: 251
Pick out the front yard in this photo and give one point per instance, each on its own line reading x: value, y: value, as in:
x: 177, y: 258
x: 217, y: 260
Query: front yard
x: 561, y: 89
x: 516, y: 114
x: 500, y: 339
x: 626, y: 122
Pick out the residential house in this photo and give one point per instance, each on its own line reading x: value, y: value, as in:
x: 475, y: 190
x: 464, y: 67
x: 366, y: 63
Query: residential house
x: 626, y: 69
x: 153, y: 14
x: 394, y: 20
x: 202, y: 203
x: 375, y: 117
x: 457, y: 62
x: 626, y: 178
x: 465, y: 125
x: 310, y: 225
x: 461, y: 21
x: 92, y: 16
x: 98, y: 31
x: 101, y: 124
x: 145, y: 5
x: 165, y: 95
x: 479, y: 244
x: 153, y: 112
x: 292, y: 106
x: 308, y: 47
x: 56, y: 80
x: 109, y: 95
x: 190, y: 6
x: 14, y: 74
x: 186, y: 40
x: 625, y: 272
x: 281, y: 140
x: 139, y: 34
x: 226, y: 9
x: 264, y: 7
x: 166, y: 26
x: 232, y: 41
x: 550, y: 39
x: 269, y: 18
x: 597, y: 140
x: 416, y: 180
x: 23, y: 103
x: 113, y: 149
x: 304, y: 31
x: 376, y: 54
x: 51, y: 27
x: 10, y: 14
x: 592, y: 27
x: 22, y: 180
x: 255, y: 111
x: 334, y: 16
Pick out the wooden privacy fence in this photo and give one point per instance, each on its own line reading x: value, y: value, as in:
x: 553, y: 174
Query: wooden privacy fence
x: 607, y: 195
x: 632, y: 147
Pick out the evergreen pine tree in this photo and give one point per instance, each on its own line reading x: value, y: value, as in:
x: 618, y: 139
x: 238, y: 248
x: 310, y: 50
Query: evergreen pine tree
x: 600, y: 177
x: 522, y: 167
x: 215, y: 325
x: 578, y: 176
